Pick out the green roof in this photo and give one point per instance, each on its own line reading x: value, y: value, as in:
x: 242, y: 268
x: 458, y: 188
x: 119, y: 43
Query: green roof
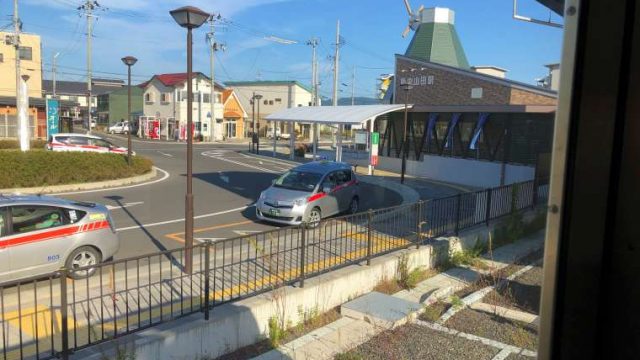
x: 266, y: 83
x: 438, y: 43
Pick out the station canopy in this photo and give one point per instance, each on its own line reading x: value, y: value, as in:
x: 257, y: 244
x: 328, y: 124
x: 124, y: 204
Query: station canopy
x: 340, y: 115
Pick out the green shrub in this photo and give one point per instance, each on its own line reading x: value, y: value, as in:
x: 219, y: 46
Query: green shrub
x: 42, y: 168
x: 470, y: 257
x: 14, y: 144
x: 456, y: 302
x: 276, y: 331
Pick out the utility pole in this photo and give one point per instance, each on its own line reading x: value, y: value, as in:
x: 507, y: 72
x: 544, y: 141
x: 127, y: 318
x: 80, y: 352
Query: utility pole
x: 22, y: 95
x: 54, y: 69
x: 88, y: 7
x: 314, y: 71
x: 213, y: 47
x: 336, y: 63
x: 353, y: 86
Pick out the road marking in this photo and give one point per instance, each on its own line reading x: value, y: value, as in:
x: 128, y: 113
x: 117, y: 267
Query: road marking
x: 141, y: 226
x: 36, y: 320
x: 239, y: 163
x: 177, y: 236
x: 214, y: 239
x: 246, y: 232
x: 126, y: 205
x: 165, y: 154
x: 164, y: 177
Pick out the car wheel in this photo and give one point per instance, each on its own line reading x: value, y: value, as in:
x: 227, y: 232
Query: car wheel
x: 112, y: 132
x: 315, y: 215
x: 354, y: 206
x: 125, y: 132
x: 81, y: 257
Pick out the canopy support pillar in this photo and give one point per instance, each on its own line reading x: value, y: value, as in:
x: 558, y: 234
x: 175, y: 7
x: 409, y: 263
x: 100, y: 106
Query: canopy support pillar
x: 275, y: 138
x: 292, y: 140
x: 315, y: 141
x: 339, y: 143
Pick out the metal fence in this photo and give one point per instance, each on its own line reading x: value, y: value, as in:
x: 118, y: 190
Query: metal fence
x: 53, y: 315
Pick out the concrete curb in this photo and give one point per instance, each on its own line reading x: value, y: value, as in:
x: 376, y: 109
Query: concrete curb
x: 84, y: 186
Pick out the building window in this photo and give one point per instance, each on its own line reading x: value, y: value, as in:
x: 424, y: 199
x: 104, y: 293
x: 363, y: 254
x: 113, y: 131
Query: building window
x: 270, y: 102
x: 1, y: 58
x: 164, y: 97
x: 26, y: 53
x: 266, y: 102
x: 148, y: 97
x: 206, y: 98
x: 218, y: 98
x: 73, y: 98
x: 278, y: 100
x: 476, y: 93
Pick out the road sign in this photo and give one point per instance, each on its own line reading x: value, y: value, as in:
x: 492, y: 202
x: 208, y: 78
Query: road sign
x: 375, y: 140
x: 53, y: 119
x: 361, y: 137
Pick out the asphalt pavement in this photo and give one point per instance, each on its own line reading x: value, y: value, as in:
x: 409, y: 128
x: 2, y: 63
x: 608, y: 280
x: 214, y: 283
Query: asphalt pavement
x: 150, y: 217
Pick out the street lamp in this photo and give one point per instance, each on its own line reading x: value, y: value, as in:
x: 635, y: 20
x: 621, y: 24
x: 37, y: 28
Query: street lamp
x: 254, y: 98
x: 189, y: 17
x: 406, y: 89
x: 129, y: 61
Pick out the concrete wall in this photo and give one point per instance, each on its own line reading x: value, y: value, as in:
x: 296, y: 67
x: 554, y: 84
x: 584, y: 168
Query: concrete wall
x: 245, y: 322
x: 460, y: 171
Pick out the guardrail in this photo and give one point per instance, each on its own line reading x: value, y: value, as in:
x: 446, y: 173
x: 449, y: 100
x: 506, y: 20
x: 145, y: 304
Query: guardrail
x: 53, y: 315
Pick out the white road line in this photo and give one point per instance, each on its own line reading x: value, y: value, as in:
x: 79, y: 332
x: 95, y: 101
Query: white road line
x: 279, y: 161
x: 181, y: 220
x: 164, y: 177
x: 112, y: 207
x: 239, y: 163
x: 165, y: 154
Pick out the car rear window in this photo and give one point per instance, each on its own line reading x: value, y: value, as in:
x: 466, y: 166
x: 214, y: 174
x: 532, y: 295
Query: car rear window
x: 3, y: 222
x: 75, y: 215
x: 62, y: 139
x: 298, y: 180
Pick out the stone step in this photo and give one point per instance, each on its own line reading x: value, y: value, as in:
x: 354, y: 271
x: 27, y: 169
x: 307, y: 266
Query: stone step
x: 381, y: 310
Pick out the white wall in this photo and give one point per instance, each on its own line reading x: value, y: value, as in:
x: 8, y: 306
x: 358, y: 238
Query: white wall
x: 460, y: 171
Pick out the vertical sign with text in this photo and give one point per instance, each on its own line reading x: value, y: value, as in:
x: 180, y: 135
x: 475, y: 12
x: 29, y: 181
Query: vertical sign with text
x: 53, y: 118
x: 375, y: 140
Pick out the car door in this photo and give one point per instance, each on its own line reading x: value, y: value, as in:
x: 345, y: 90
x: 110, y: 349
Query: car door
x: 344, y: 189
x: 38, y: 239
x: 4, y: 250
x: 100, y: 145
x: 329, y: 202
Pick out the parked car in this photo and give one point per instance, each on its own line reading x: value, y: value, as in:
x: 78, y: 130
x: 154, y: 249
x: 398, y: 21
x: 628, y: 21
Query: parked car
x: 309, y: 193
x: 270, y: 133
x: 121, y: 127
x: 81, y: 142
x: 41, y: 234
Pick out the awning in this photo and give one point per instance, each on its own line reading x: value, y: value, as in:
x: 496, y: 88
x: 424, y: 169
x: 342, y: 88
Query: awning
x: 340, y: 115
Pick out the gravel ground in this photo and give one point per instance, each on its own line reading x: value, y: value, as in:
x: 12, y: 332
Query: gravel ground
x: 418, y: 342
x: 494, y: 327
x: 522, y: 294
x: 518, y: 357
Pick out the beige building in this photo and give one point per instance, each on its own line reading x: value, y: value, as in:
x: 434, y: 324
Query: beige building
x: 276, y: 96
x: 30, y: 64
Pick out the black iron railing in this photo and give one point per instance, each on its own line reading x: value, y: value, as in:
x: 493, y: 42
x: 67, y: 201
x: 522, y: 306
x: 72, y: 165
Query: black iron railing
x: 52, y: 315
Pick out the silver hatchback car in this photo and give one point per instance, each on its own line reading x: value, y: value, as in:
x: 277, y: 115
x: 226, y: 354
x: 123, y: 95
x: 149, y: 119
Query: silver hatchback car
x: 309, y: 193
x: 41, y: 234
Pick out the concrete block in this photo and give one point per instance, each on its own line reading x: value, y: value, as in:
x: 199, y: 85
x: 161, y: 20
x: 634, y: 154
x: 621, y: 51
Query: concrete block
x: 381, y: 310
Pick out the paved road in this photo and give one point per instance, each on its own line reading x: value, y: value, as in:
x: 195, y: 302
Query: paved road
x: 150, y: 218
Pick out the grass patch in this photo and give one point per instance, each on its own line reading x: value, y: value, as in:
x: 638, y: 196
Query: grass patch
x: 470, y: 257
x: 434, y: 311
x: 387, y: 286
x: 44, y: 168
x: 15, y: 144
x: 405, y: 279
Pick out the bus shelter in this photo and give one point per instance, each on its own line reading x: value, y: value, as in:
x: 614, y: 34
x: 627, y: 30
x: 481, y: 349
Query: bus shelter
x: 338, y: 116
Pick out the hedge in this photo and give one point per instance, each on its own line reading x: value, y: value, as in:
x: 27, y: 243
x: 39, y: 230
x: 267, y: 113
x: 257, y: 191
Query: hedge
x: 14, y: 144
x: 41, y: 168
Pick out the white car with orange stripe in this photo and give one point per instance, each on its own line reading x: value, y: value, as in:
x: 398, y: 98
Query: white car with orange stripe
x: 42, y: 234
x: 82, y: 142
x: 309, y: 193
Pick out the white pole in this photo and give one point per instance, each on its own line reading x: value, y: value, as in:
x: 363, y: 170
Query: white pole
x: 274, y: 138
x: 369, y: 144
x: 292, y: 140
x: 315, y: 140
x: 336, y: 73
x: 23, y: 114
x: 88, y: 9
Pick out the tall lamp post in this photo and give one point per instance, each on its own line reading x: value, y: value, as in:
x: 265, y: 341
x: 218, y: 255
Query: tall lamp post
x: 129, y: 61
x: 406, y: 89
x: 256, y: 99
x: 189, y: 17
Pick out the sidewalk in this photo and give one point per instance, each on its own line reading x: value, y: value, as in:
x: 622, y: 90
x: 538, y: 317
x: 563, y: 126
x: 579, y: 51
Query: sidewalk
x: 348, y: 332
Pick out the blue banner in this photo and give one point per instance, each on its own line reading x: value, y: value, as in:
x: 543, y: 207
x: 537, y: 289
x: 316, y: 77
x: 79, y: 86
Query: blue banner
x: 53, y: 119
x: 430, y: 127
x: 452, y: 126
x: 476, y: 133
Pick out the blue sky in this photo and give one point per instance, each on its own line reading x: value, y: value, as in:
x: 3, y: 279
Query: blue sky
x: 371, y: 29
